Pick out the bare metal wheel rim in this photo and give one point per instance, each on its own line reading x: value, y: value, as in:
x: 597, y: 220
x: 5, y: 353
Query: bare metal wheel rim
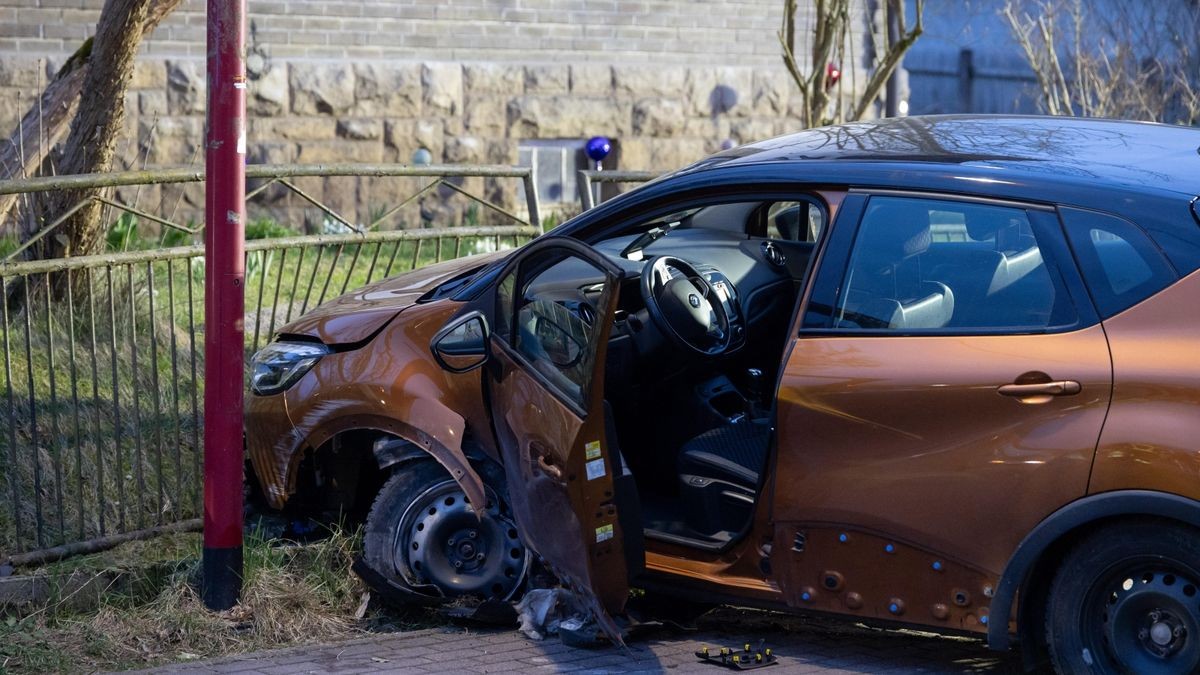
x: 440, y: 541
x: 1144, y: 615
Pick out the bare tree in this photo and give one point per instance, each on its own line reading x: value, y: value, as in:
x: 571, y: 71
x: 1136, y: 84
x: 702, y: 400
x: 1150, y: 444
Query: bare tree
x: 828, y: 27
x: 1120, y: 60
x: 101, y: 67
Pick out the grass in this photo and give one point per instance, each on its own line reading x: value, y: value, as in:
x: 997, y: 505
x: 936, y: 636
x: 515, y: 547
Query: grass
x: 293, y: 594
x: 105, y: 385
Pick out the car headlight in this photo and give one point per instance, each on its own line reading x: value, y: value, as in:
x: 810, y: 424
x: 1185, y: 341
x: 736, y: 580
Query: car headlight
x: 280, y: 364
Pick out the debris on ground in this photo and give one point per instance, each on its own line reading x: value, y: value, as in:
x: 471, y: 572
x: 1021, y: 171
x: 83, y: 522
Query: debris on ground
x: 543, y: 611
x: 743, y: 659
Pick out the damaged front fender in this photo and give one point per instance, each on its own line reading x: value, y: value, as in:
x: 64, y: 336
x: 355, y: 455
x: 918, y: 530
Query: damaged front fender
x: 391, y: 385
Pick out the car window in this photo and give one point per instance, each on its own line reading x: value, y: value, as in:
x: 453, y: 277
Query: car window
x: 948, y: 266
x: 794, y: 221
x: 557, y: 323
x: 1120, y: 264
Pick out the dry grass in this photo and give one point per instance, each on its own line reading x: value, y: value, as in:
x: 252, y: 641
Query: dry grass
x: 294, y: 594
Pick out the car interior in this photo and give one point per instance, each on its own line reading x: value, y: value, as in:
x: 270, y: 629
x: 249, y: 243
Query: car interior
x: 697, y: 340
x: 702, y: 320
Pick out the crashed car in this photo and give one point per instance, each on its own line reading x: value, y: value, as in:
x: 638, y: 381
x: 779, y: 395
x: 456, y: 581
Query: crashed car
x: 934, y: 371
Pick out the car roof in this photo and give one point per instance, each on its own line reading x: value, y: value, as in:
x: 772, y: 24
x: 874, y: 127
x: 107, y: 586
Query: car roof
x: 1067, y: 149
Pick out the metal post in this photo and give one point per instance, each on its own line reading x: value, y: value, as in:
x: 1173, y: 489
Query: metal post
x: 224, y: 299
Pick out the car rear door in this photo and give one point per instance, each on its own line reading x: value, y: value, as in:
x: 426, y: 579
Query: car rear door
x: 944, y: 392
x: 554, y: 309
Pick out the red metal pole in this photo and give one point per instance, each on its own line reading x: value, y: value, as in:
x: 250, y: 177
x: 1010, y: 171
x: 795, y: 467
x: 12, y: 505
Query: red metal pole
x: 224, y: 299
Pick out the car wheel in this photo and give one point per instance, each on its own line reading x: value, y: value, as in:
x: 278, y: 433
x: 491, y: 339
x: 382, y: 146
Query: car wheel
x: 1127, y: 600
x: 422, y: 532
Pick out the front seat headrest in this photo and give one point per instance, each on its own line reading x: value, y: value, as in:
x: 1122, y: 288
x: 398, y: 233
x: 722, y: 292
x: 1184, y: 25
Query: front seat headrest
x: 899, y: 231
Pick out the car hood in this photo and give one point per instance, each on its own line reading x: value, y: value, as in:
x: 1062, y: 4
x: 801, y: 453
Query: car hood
x: 356, y: 316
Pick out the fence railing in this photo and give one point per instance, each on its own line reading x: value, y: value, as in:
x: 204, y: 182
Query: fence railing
x: 589, y: 178
x: 101, y: 385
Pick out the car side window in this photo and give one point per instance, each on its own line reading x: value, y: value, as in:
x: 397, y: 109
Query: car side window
x: 793, y: 221
x: 556, y: 321
x: 1120, y: 264
x: 926, y: 265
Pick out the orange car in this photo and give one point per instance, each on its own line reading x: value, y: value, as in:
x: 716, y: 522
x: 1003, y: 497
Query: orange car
x: 936, y: 371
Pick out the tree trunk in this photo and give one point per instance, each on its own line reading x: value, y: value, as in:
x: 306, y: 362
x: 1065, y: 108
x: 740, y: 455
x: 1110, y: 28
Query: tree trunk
x: 101, y: 67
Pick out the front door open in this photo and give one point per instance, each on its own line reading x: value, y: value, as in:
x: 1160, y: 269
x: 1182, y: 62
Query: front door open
x: 553, y: 313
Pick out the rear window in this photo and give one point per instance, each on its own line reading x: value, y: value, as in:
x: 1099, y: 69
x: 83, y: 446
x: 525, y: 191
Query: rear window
x: 1120, y: 263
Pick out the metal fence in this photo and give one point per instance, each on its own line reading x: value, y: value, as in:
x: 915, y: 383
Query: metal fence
x: 592, y: 181
x: 101, y: 391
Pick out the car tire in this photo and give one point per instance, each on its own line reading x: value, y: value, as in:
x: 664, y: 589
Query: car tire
x: 421, y: 532
x: 1127, y: 600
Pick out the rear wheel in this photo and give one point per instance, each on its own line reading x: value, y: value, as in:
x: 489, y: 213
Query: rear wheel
x: 1127, y: 600
x: 423, y: 532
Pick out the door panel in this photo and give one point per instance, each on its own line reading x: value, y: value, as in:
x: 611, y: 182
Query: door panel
x: 546, y: 390
x: 944, y: 395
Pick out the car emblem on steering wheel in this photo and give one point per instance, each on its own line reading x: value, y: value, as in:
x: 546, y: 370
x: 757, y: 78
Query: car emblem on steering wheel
x: 694, y: 300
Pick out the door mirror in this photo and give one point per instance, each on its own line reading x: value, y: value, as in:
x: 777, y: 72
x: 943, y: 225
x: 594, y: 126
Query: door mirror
x: 462, y: 345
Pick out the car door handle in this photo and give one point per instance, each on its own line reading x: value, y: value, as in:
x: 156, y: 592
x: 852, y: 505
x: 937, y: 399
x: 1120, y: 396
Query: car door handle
x: 1056, y: 388
x: 546, y: 465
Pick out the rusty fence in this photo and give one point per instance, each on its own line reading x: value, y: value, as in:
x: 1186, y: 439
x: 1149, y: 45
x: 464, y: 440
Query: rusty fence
x: 101, y: 387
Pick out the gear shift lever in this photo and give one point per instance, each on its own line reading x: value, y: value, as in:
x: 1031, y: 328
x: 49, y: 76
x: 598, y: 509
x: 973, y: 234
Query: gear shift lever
x: 755, y: 387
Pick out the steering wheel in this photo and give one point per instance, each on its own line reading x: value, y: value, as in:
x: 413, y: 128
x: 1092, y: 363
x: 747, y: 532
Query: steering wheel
x: 685, y: 306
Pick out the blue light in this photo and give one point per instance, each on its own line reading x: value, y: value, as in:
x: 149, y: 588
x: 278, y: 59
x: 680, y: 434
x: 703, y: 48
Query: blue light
x: 893, y: 608
x: 597, y: 148
x: 937, y: 565
x: 806, y: 596
x: 983, y: 619
x: 843, y: 538
x: 889, y: 548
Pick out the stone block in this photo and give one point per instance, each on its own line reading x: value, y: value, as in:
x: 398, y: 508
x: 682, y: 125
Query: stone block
x: 152, y: 103
x: 360, y: 129
x: 770, y: 93
x: 292, y: 128
x: 485, y: 115
x: 719, y: 91
x: 19, y: 72
x: 269, y: 94
x: 591, y: 79
x: 465, y: 150
x: 566, y: 117
x: 187, y: 88
x: 751, y: 130
x: 442, y: 87
x: 387, y: 90
x: 641, y: 81
x: 171, y: 141
x: 660, y: 117
x: 149, y: 74
x: 493, y: 78
x: 548, y: 79
x: 325, y: 152
x: 321, y: 88
x: 272, y: 152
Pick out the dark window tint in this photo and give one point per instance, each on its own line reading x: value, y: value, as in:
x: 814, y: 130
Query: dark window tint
x: 557, y: 320
x: 1119, y: 262
x: 923, y: 265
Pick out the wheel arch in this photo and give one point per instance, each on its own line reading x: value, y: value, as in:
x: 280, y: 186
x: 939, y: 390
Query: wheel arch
x: 1034, y: 558
x: 446, y: 443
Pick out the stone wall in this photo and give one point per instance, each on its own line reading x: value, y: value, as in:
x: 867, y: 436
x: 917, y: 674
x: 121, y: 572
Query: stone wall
x: 495, y: 72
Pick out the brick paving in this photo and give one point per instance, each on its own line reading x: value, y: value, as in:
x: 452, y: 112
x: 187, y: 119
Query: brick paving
x: 806, y: 646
